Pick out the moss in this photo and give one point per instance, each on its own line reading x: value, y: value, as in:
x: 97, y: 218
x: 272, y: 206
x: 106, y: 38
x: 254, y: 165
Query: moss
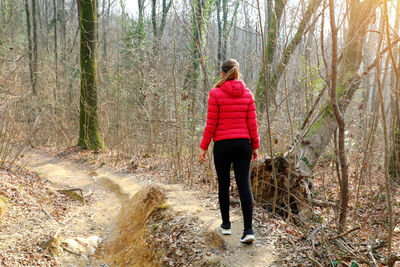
x: 327, y: 111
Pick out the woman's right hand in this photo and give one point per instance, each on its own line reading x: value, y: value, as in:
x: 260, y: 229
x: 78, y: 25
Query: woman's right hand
x: 254, y: 154
x: 202, y: 155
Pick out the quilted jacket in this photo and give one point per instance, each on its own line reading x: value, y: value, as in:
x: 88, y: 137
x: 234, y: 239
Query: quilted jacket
x: 231, y: 114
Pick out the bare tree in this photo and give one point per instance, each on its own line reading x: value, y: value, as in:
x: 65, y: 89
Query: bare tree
x: 35, y: 47
x: 30, y: 50
x: 55, y: 51
x: 318, y: 135
x: 344, y: 176
x: 273, y: 75
x: 158, y: 30
x: 224, y: 27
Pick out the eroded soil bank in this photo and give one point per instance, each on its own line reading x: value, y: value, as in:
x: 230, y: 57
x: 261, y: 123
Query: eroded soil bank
x: 140, y: 222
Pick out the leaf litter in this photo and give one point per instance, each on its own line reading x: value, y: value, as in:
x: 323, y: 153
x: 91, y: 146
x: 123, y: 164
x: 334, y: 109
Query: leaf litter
x: 292, y: 242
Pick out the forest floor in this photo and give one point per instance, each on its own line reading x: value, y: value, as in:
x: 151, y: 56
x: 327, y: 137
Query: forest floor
x: 133, y: 214
x: 180, y: 228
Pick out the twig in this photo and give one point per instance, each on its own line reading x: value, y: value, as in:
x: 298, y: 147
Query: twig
x: 314, y: 232
x: 45, y: 244
x: 323, y: 204
x: 313, y: 260
x: 392, y: 260
x: 345, y: 233
x: 371, y: 256
x: 70, y: 251
x: 378, y: 246
x: 51, y: 217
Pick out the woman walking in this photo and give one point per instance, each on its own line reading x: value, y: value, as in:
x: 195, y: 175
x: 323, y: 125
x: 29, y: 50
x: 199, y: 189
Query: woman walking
x: 232, y: 124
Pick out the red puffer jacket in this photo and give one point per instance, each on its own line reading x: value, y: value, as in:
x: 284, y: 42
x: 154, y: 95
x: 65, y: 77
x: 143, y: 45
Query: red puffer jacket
x: 231, y: 114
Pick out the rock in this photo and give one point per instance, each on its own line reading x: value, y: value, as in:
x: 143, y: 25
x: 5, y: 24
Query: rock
x: 55, y: 245
x: 73, y: 193
x: 85, y: 246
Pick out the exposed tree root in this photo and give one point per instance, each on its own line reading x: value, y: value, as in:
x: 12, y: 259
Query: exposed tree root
x: 294, y: 188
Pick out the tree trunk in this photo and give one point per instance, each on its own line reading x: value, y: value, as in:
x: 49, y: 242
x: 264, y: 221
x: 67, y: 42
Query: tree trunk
x: 270, y: 48
x: 343, y: 176
x: 219, y: 27
x: 140, y: 28
x: 55, y: 51
x: 224, y: 28
x: 89, y: 132
x: 394, y: 163
x: 35, y: 48
x: 319, y: 134
x: 3, y: 12
x: 154, y: 17
x: 159, y: 30
x: 274, y: 76
x: 29, y: 35
x: 63, y: 41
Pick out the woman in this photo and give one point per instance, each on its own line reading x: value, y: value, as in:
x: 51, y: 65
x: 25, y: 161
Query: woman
x: 232, y: 124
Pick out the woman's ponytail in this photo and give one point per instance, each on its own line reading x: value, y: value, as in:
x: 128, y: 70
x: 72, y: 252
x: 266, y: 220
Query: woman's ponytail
x: 231, y: 69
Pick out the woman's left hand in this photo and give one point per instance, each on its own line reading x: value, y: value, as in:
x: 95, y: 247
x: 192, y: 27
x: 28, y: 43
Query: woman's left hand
x: 202, y: 155
x: 254, y: 154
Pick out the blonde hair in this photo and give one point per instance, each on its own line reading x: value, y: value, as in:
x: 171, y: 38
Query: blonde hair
x: 231, y: 69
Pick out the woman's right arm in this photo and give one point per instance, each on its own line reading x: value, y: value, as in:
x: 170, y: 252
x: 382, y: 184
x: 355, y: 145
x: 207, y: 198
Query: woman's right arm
x: 212, y: 120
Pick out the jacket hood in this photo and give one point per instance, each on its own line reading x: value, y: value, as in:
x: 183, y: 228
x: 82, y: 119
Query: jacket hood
x: 233, y: 87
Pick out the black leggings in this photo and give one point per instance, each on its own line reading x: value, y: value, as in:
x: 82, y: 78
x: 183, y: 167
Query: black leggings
x: 238, y: 152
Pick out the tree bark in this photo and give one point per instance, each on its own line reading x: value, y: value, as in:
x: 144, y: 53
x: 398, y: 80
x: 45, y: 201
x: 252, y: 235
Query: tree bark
x: 313, y: 143
x: 3, y: 12
x: 35, y: 48
x: 394, y: 163
x: 89, y: 130
x: 224, y: 28
x: 219, y: 28
x: 344, y: 177
x: 30, y: 50
x: 388, y: 181
x: 55, y: 50
x: 159, y: 30
x: 273, y: 76
x: 270, y: 50
x: 140, y: 28
x: 298, y: 37
x: 154, y: 17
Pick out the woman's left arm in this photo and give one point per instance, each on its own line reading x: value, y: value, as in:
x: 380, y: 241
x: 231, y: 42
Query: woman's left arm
x: 252, y: 123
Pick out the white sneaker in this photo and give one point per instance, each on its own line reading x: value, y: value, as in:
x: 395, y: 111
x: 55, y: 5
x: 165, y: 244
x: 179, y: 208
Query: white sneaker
x: 226, y: 231
x: 248, y: 238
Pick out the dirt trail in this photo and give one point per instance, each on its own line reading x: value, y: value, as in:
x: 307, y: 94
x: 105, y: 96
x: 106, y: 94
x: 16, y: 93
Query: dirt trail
x: 111, y: 189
